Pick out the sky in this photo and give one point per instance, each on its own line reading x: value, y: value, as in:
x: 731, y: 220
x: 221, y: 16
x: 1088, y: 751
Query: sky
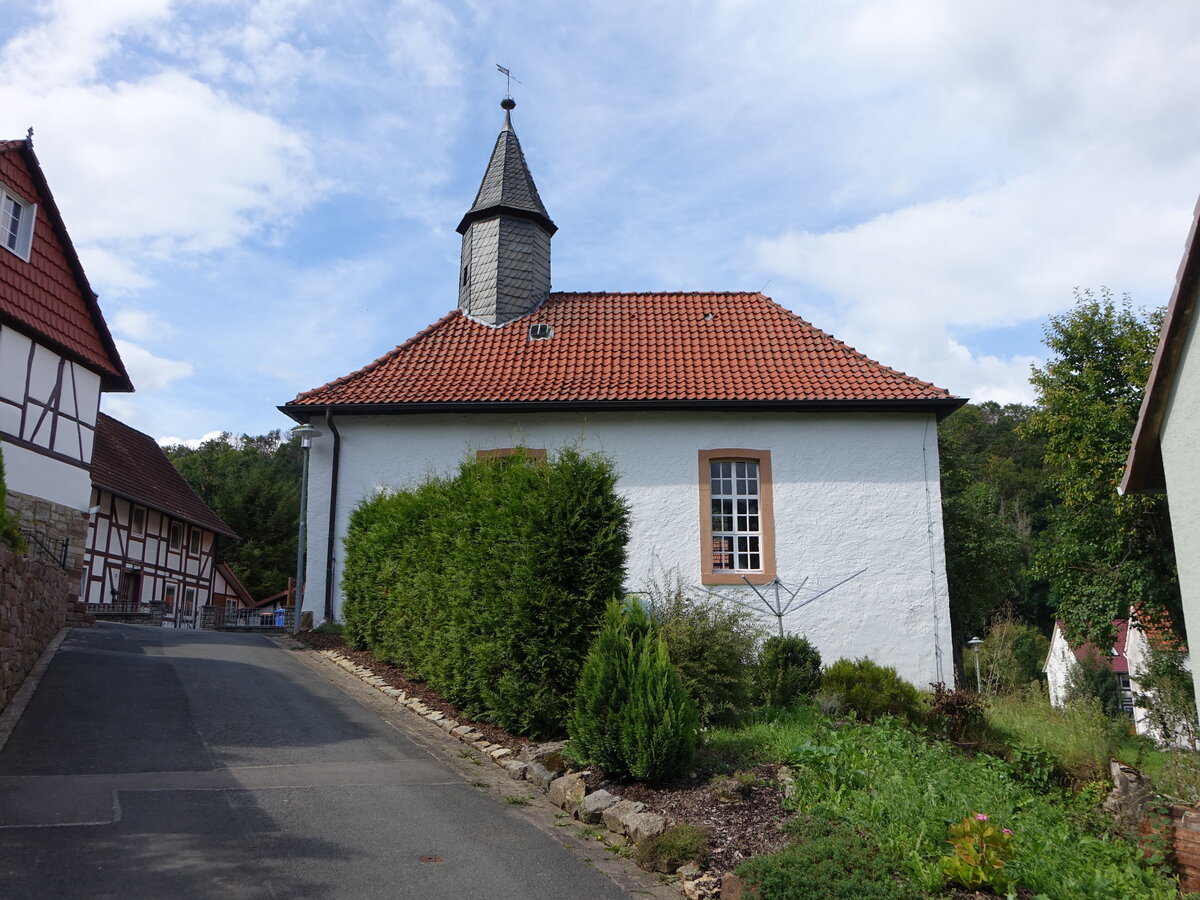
x: 264, y: 194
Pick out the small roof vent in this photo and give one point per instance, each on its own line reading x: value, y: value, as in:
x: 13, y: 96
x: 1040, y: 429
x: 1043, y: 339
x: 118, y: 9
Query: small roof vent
x: 539, y: 331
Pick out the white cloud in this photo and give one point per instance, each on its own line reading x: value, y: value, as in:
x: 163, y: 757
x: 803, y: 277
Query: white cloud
x: 173, y: 441
x: 149, y: 372
x: 138, y: 324
x: 169, y: 165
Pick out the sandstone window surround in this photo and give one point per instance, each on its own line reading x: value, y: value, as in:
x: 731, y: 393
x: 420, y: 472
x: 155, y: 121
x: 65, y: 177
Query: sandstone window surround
x: 737, y: 517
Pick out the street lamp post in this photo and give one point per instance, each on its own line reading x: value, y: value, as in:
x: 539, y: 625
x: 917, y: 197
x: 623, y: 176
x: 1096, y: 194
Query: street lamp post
x: 305, y: 433
x: 975, y: 643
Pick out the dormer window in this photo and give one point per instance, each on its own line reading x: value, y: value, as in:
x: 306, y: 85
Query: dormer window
x: 16, y: 223
x: 539, y: 331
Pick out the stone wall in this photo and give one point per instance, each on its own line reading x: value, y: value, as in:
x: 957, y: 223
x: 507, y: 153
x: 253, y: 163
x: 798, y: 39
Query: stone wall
x: 36, y: 600
x: 54, y: 523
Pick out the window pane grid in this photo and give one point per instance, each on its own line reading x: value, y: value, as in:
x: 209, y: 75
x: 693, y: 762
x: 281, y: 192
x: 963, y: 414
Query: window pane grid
x: 10, y: 221
x: 736, y: 525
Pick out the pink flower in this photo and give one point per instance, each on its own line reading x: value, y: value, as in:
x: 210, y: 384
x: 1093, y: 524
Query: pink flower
x: 1007, y: 830
x: 981, y: 817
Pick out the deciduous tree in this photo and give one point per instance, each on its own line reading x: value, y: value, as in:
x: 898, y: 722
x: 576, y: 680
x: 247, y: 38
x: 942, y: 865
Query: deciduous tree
x: 1102, y: 552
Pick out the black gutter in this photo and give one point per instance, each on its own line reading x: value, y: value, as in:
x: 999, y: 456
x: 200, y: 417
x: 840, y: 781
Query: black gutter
x: 333, y: 486
x: 941, y: 407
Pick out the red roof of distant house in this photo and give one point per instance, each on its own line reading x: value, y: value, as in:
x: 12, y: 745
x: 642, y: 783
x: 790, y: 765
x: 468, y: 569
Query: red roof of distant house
x: 648, y: 347
x: 131, y: 464
x: 49, y: 297
x: 1114, y: 657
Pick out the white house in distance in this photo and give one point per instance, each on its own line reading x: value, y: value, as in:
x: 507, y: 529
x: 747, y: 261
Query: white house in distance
x: 151, y: 538
x: 1126, y: 658
x: 749, y: 444
x: 1162, y: 457
x: 56, y: 357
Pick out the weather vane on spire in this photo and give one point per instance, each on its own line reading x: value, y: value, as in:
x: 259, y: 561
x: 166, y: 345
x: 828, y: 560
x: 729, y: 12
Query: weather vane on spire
x: 508, y: 80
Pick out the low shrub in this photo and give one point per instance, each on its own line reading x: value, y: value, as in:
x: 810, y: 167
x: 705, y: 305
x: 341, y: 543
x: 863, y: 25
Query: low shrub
x: 675, y: 847
x: 955, y: 715
x: 872, y: 690
x: 829, y: 861
x: 979, y: 857
x: 632, y: 716
x: 10, y: 531
x: 789, y: 667
x: 711, y: 643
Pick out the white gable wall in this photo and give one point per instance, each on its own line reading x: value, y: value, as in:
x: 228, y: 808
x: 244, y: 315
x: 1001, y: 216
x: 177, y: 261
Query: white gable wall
x: 48, y: 408
x: 851, y: 491
x: 1179, y: 437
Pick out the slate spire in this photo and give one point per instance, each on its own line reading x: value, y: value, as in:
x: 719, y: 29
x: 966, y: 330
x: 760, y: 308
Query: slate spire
x: 505, y: 267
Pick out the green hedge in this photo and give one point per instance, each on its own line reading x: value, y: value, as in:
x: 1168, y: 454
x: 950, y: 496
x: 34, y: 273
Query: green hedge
x: 490, y: 584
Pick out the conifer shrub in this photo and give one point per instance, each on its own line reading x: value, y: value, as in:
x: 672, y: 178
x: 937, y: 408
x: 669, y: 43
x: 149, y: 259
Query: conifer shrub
x: 789, y: 668
x: 660, y: 722
x: 602, y: 693
x: 872, y: 690
x: 489, y: 584
x: 632, y: 716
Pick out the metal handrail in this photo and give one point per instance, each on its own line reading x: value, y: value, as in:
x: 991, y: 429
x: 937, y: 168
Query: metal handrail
x: 40, y: 549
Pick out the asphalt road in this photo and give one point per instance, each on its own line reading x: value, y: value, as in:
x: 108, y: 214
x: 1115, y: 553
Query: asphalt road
x: 160, y: 764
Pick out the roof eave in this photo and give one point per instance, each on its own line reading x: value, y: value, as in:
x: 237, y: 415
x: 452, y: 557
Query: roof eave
x: 117, y: 381
x: 1144, y: 466
x: 491, y: 212
x: 939, y: 406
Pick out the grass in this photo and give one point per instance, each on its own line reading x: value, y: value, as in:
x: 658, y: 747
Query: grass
x: 518, y: 800
x: 1080, y: 737
x: 902, y: 791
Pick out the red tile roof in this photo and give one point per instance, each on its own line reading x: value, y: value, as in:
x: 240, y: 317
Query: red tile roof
x: 1114, y: 657
x: 130, y: 464
x: 651, y: 347
x: 49, y: 297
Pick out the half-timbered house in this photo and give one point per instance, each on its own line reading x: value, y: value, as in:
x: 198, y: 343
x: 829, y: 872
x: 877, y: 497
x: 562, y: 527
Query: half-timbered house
x: 56, y: 358
x: 151, y: 539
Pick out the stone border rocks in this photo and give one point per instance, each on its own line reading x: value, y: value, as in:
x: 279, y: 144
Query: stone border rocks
x: 545, y: 767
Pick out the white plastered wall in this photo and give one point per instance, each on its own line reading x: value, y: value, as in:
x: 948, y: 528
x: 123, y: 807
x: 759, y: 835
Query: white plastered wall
x: 851, y: 491
x: 1179, y: 437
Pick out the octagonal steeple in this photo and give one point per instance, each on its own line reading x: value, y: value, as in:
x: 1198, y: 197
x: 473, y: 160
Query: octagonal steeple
x: 505, y: 267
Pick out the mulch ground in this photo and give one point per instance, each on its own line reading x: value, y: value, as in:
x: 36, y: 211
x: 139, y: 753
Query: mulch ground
x: 736, y: 831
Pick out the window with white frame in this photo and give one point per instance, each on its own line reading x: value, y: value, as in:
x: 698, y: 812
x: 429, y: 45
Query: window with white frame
x: 16, y: 223
x: 736, y: 524
x: 737, y: 529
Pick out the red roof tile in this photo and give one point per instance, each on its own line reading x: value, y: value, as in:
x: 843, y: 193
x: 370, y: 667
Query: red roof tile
x: 627, y: 347
x: 49, y: 296
x: 1114, y: 657
x: 130, y: 464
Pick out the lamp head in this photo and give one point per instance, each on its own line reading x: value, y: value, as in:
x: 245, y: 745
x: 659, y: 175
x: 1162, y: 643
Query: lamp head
x: 305, y: 433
